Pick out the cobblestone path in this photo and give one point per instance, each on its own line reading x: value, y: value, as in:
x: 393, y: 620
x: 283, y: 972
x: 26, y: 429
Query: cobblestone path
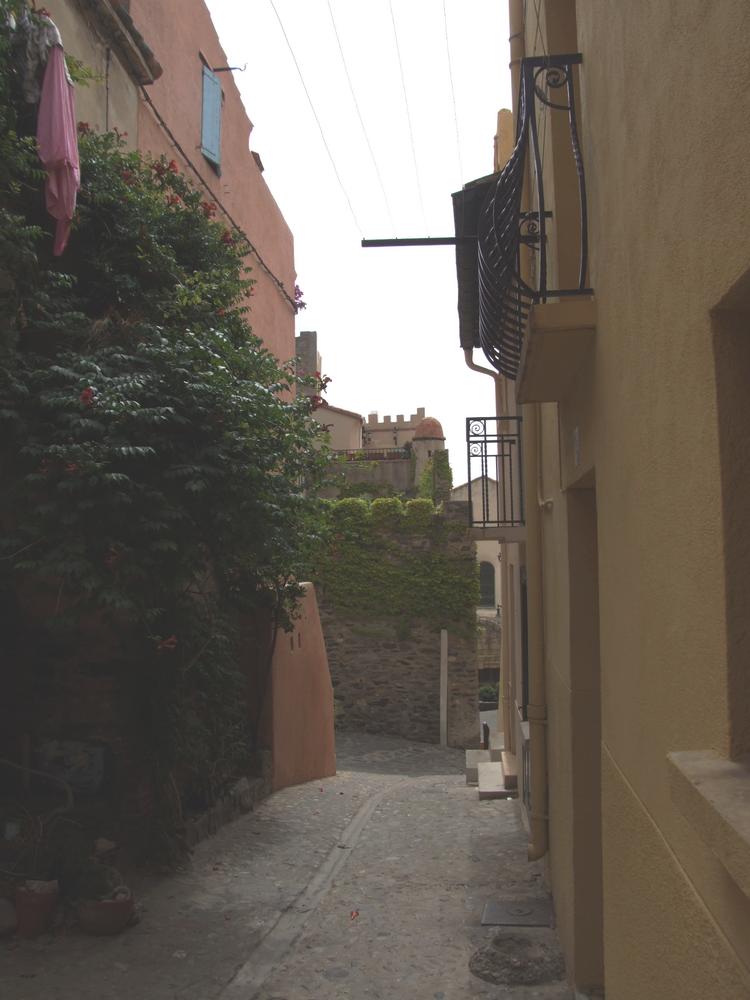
x: 367, y: 885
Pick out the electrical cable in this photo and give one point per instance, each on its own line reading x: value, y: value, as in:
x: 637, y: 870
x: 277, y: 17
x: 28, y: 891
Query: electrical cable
x: 408, y: 118
x: 214, y: 197
x: 361, y: 120
x: 453, y: 94
x: 315, y: 116
x: 539, y: 34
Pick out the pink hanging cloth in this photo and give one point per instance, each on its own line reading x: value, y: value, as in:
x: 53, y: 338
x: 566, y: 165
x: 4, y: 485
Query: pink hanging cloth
x: 57, y: 139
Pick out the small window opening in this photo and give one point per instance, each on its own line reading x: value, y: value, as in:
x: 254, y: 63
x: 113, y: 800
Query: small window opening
x: 486, y: 585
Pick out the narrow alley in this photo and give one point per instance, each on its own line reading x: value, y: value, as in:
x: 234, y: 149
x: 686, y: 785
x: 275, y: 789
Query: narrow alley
x: 370, y: 884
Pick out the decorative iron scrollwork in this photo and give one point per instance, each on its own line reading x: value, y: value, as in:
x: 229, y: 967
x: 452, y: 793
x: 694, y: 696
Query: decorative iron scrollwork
x: 555, y: 77
x: 495, y: 472
x: 505, y: 298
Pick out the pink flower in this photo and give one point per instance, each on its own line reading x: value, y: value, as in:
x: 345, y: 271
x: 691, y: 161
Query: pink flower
x: 87, y: 396
x: 167, y: 645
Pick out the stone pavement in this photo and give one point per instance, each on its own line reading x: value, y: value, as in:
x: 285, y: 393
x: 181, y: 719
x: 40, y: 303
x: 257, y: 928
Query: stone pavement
x: 367, y: 885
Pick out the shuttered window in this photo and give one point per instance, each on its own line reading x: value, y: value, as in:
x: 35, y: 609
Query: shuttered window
x: 211, y: 120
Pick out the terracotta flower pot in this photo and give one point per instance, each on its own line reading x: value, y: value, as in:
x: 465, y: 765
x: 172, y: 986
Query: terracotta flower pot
x: 35, y: 904
x: 105, y: 916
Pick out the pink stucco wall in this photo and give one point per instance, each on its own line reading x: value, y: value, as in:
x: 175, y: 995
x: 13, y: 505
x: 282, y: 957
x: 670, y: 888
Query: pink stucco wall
x: 300, y: 714
x: 179, y: 32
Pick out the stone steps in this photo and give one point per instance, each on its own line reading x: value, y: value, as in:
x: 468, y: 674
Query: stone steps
x: 497, y: 745
x: 473, y: 759
x: 510, y: 769
x: 491, y: 781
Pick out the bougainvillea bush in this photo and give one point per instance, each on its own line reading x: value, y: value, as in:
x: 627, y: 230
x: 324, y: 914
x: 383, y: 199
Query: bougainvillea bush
x: 158, y: 469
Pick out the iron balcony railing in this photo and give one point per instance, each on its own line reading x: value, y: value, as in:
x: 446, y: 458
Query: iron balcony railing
x: 495, y: 472
x: 373, y: 454
x: 506, y: 224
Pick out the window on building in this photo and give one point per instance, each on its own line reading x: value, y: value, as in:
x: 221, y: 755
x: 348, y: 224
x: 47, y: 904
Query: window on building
x: 211, y: 118
x: 486, y: 585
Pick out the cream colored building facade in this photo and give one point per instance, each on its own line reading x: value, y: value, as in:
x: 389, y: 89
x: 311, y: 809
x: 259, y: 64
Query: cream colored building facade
x: 633, y: 713
x: 488, y: 551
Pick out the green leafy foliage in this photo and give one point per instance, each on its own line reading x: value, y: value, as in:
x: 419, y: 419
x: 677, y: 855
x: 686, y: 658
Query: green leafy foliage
x: 488, y: 692
x: 436, y: 481
x: 159, y: 468
x: 397, y: 561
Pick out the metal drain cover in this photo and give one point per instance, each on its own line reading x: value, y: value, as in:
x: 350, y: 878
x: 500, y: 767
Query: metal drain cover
x: 518, y: 913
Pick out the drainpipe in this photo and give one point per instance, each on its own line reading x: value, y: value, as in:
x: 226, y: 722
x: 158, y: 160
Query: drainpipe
x: 499, y: 393
x: 537, y: 706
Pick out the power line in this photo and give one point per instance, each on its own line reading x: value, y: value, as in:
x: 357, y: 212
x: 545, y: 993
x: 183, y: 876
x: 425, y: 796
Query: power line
x: 361, y: 120
x: 539, y: 35
x: 453, y: 95
x: 408, y: 117
x: 315, y: 116
x: 214, y: 197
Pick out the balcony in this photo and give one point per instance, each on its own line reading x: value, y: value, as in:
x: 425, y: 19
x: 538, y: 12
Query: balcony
x: 495, y: 486
x: 373, y: 454
x: 507, y: 272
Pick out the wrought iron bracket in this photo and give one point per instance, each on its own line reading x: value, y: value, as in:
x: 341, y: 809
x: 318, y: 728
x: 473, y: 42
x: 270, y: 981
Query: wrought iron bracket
x: 506, y: 225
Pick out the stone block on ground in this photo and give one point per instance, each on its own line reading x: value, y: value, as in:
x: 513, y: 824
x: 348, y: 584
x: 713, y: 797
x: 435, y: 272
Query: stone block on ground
x: 473, y: 758
x: 510, y: 769
x: 492, y: 781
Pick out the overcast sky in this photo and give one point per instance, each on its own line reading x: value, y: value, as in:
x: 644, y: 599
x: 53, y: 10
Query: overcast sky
x: 386, y: 319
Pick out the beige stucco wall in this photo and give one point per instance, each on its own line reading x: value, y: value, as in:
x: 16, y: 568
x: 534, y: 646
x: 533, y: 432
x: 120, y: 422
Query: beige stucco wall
x: 391, y: 432
x: 487, y: 550
x: 669, y: 199
x: 112, y: 98
x: 345, y: 429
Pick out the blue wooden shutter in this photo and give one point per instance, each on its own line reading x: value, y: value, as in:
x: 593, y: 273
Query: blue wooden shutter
x: 211, y: 121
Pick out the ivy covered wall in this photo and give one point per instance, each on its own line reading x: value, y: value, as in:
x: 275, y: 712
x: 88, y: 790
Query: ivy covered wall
x: 392, y: 575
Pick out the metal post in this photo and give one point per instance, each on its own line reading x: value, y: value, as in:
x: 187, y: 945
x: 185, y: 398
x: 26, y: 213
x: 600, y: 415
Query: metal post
x: 443, y: 687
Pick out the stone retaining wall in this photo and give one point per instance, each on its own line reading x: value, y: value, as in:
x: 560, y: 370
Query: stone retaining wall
x: 386, y: 672
x: 386, y: 679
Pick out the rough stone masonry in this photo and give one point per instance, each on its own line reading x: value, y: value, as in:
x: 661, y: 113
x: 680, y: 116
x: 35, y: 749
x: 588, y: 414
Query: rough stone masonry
x: 386, y: 674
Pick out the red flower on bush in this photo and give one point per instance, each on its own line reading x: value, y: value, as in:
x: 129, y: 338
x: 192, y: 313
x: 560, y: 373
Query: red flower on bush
x: 127, y: 176
x: 87, y: 396
x: 209, y: 209
x: 173, y: 199
x: 167, y: 645
x: 159, y: 168
x: 172, y: 167
x: 226, y: 237
x: 220, y: 312
x: 84, y: 128
x: 72, y: 467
